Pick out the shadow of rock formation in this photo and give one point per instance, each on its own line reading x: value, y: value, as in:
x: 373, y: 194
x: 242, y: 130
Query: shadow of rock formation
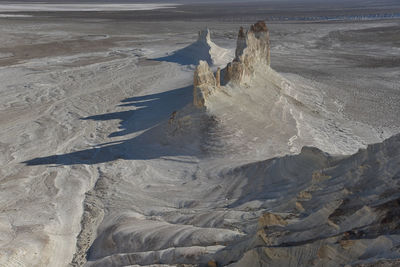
x: 152, y: 114
x: 203, y: 49
x: 149, y: 110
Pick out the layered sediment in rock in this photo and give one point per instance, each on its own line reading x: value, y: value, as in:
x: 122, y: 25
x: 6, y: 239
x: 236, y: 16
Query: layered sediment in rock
x: 344, y: 211
x: 204, y: 83
x: 253, y: 99
x: 252, y: 53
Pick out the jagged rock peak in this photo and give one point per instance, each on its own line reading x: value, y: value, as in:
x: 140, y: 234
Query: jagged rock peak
x: 252, y: 48
x: 252, y: 53
x: 203, y: 75
x: 204, y: 36
x: 259, y: 26
x: 204, y: 83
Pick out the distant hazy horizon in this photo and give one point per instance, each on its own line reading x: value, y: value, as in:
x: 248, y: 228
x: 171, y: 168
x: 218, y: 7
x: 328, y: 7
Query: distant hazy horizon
x: 276, y: 3
x: 197, y: 1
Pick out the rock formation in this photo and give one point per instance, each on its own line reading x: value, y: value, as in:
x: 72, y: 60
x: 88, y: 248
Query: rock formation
x: 204, y: 83
x: 204, y: 36
x: 218, y: 77
x: 252, y: 53
x: 350, y: 215
x: 203, y: 49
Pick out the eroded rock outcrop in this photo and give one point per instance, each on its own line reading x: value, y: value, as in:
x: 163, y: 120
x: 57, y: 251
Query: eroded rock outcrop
x: 252, y: 53
x: 204, y: 83
x: 350, y: 215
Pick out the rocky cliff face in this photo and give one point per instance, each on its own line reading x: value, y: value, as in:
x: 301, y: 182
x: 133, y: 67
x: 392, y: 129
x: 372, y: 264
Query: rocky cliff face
x: 252, y: 52
x: 204, y: 83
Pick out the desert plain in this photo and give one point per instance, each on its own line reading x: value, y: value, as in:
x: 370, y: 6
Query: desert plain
x: 279, y: 172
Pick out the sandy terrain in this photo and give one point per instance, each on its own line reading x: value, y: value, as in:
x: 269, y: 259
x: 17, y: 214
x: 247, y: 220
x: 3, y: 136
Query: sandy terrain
x: 91, y: 174
x: 20, y: 7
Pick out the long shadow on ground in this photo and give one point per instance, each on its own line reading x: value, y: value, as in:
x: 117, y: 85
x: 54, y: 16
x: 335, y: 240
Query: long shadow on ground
x: 151, y: 110
x: 190, y: 55
x: 148, y: 110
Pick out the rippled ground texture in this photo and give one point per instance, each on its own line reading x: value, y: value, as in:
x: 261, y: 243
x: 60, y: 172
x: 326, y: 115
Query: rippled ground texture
x: 90, y: 171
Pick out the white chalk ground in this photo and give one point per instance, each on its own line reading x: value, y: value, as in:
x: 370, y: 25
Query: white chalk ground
x: 100, y: 132
x: 32, y: 7
x: 14, y: 16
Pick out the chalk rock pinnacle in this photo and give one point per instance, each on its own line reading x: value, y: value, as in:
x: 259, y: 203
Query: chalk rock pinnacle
x: 204, y: 83
x: 204, y: 36
x: 252, y: 51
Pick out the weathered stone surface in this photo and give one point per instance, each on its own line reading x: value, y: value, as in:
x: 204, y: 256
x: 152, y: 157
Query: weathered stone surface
x: 270, y: 219
x: 354, y: 224
x: 204, y: 83
x: 212, y: 263
x: 234, y: 72
x: 203, y: 75
x: 218, y: 77
x: 259, y: 27
x: 252, y: 51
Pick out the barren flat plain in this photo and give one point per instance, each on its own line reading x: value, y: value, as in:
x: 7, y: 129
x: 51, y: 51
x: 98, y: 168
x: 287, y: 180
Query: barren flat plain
x: 104, y: 160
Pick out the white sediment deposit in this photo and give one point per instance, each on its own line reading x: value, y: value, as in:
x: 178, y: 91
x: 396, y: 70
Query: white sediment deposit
x: 112, y: 159
x: 335, y: 211
x: 310, y: 209
x: 35, y: 7
x: 269, y: 114
x: 252, y: 54
x: 322, y: 210
x: 204, y: 83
